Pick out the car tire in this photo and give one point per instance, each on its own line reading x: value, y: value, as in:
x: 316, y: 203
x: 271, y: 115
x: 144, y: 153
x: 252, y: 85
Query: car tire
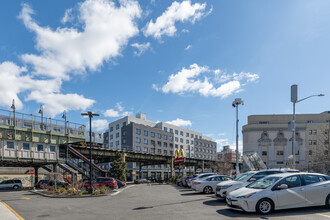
x: 207, y: 190
x: 327, y: 202
x: 15, y: 187
x: 264, y: 206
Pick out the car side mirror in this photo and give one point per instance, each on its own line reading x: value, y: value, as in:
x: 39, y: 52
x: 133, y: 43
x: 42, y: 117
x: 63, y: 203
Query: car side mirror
x: 283, y: 186
x: 252, y: 179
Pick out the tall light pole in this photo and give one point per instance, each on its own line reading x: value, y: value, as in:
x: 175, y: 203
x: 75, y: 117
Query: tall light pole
x: 14, y: 108
x: 90, y: 115
x: 294, y: 100
x: 236, y: 103
x: 41, y: 111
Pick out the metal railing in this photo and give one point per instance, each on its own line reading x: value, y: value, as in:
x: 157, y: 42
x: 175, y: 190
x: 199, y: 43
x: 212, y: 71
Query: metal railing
x: 35, y: 122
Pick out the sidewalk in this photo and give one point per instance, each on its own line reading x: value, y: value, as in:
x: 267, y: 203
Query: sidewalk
x: 7, y: 213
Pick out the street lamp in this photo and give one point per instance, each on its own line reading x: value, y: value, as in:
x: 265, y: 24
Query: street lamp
x: 90, y: 115
x: 41, y: 111
x: 294, y: 100
x: 235, y: 104
x: 14, y: 108
x: 64, y: 117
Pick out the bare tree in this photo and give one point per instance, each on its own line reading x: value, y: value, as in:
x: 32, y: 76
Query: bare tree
x: 222, y: 167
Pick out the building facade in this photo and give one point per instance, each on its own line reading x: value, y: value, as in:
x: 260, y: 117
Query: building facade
x: 142, y: 135
x: 271, y: 137
x: 228, y: 155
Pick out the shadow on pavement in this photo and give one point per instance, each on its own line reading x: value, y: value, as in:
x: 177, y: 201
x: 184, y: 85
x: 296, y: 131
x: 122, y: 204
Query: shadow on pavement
x: 280, y: 213
x: 214, y: 202
x: 168, y: 204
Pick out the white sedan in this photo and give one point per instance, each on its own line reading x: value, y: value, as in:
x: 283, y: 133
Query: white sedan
x: 208, y: 184
x: 282, y: 191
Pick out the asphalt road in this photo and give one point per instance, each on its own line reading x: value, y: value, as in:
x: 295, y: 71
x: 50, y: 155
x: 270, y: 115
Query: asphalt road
x: 141, y: 202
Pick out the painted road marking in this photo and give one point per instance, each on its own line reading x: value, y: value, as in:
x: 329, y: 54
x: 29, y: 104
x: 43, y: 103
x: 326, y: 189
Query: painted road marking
x: 119, y: 191
x: 322, y: 215
x: 10, y: 215
x: 26, y: 198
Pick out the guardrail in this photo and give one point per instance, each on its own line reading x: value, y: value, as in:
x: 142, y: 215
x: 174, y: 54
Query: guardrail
x: 35, y: 122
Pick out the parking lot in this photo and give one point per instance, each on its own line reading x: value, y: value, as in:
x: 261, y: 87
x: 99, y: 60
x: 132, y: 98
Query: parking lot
x: 141, y: 202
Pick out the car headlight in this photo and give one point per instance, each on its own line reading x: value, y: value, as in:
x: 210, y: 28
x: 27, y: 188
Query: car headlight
x: 225, y: 187
x: 246, y: 196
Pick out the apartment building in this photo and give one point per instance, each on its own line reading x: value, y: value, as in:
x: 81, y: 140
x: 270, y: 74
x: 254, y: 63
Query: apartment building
x: 271, y: 137
x: 228, y: 155
x: 142, y: 135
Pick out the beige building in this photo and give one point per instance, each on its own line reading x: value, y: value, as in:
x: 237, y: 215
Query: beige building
x: 271, y: 137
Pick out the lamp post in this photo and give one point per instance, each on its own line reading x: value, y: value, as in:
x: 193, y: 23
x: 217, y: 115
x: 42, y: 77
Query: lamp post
x: 14, y: 108
x: 294, y: 100
x: 90, y: 115
x: 64, y: 117
x: 41, y: 111
x: 235, y: 104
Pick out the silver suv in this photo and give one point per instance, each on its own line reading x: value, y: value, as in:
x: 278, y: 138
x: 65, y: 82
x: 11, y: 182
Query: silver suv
x: 11, y: 184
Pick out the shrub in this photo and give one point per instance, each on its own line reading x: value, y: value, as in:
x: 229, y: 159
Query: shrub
x: 104, y: 190
x: 96, y: 192
x: 60, y: 190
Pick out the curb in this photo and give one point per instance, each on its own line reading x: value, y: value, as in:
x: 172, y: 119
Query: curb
x: 68, y: 197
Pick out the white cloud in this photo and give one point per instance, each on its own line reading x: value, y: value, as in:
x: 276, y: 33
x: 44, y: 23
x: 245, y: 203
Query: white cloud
x: 68, y: 17
x: 112, y: 113
x: 180, y: 122
x: 104, y: 31
x: 188, y: 47
x: 185, y: 31
x: 177, y: 12
x: 99, y: 124
x: 190, y: 80
x: 141, y: 48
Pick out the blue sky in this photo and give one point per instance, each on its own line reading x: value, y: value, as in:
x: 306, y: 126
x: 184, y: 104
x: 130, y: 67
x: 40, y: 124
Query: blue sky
x: 182, y: 62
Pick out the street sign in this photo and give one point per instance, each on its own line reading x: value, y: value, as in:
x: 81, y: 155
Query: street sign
x: 179, y: 160
x: 31, y: 172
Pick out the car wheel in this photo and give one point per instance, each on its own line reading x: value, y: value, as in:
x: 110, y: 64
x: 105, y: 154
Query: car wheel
x: 207, y: 189
x: 264, y: 206
x: 15, y: 187
x: 327, y: 202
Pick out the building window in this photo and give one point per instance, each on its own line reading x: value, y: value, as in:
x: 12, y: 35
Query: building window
x: 203, y: 144
x: 124, y: 133
x: 117, y: 135
x: 309, y: 122
x: 187, y: 134
x: 171, y: 130
x: 145, y: 141
x: 171, y: 145
x: 138, y: 140
x: 314, y: 142
x: 165, y: 128
x: 159, y: 143
x: 203, y: 150
x: 181, y: 146
x: 196, y: 149
x: 176, y: 146
x: 297, y: 153
x: 153, y: 143
x: 200, y: 149
x: 181, y: 140
x: 310, y: 152
x: 263, y: 122
x: 165, y: 151
x: 138, y: 148
x: 145, y: 149
x: 40, y: 147
x: 171, y: 138
x: 152, y: 134
x: 117, y: 143
x: 192, y: 135
x: 279, y: 162
x: 326, y: 131
x: 176, y: 139
x: 124, y: 141
x: 176, y: 132
x: 117, y: 127
x: 200, y: 143
x: 159, y: 136
x: 171, y: 152
x: 111, y: 144
x: 152, y: 150
x: 314, y: 132
x: 181, y: 133
x: 165, y: 144
x: 187, y: 141
x: 145, y: 133
x: 159, y: 151
x: 310, y: 142
x: 111, y: 129
x: 191, y: 142
x: 279, y: 153
x: 10, y: 145
x: 26, y: 146
x: 111, y: 137
x: 200, y: 137
x: 124, y: 123
x: 138, y: 131
x: 52, y: 148
x: 310, y: 132
x: 165, y: 136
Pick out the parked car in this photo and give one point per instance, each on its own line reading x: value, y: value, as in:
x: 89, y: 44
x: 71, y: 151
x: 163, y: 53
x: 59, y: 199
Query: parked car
x: 179, y: 181
x: 43, y: 183
x: 282, y: 191
x: 186, y: 179
x: 11, y: 184
x: 121, y: 183
x: 140, y: 181
x: 245, y: 179
x: 102, y: 181
x: 199, y: 176
x: 208, y: 184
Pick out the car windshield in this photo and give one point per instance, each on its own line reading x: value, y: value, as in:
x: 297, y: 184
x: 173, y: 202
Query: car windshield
x: 263, y: 183
x: 244, y: 176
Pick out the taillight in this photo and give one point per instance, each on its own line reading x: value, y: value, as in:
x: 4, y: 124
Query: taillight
x: 197, y: 183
